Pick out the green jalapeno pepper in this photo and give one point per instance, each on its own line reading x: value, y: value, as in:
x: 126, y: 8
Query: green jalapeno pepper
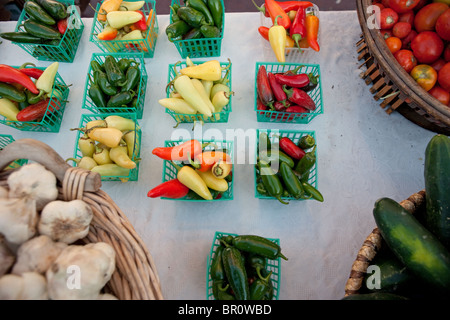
x: 12, y: 93
x: 115, y: 76
x: 261, y: 189
x: 306, y: 163
x: 255, y: 264
x: 306, y: 142
x: 96, y: 66
x: 191, y: 16
x: 210, y: 31
x: 133, y: 77
x: 269, y: 293
x: 96, y: 95
x: 200, y: 5
x: 291, y: 182
x: 176, y: 30
x: 217, y: 271
x: 216, y: 9
x: 271, y: 181
x: 226, y: 240
x: 194, y: 33
x: 125, y: 63
x: 220, y: 291
x: 102, y: 81
x: 313, y: 192
x: 173, y: 12
x: 236, y: 273
x: 34, y: 98
x: 278, y: 156
x: 259, y: 288
x: 120, y: 99
x: 264, y: 137
x: 258, y: 245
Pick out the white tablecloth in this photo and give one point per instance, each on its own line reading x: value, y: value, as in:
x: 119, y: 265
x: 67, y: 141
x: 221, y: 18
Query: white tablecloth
x: 363, y: 154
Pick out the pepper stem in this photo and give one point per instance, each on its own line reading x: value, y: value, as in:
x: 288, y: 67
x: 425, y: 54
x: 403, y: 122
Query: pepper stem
x: 281, y: 200
x: 262, y: 8
x: 27, y: 64
x: 265, y: 279
x: 175, y: 165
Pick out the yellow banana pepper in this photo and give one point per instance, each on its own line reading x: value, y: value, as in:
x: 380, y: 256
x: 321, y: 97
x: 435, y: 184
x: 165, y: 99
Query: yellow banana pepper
x: 212, y: 181
x: 109, y: 136
x: 120, y: 157
x: 277, y: 39
x: 120, y: 123
x: 111, y: 169
x: 191, y: 179
x: 209, y: 70
x: 8, y: 109
x: 179, y: 105
x: 119, y: 19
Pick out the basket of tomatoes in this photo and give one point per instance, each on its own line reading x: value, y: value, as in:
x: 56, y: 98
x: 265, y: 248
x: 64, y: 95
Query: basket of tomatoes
x: 405, y: 47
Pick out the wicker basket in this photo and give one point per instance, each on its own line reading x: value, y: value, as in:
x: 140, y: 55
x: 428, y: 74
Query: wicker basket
x: 391, y: 84
x: 373, y: 244
x: 135, y: 277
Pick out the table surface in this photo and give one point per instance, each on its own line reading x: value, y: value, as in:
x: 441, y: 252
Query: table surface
x: 363, y: 154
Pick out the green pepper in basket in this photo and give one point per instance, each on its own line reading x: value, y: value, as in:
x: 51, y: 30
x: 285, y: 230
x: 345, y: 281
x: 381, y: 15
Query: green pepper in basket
x: 236, y: 273
x: 306, y: 163
x: 201, y: 6
x: 271, y: 181
x: 133, y: 77
x: 121, y: 99
x: 290, y: 180
x: 217, y: 10
x: 258, y: 245
x: 101, y: 79
x: 191, y: 16
x: 96, y: 95
x: 41, y: 31
x: 176, y: 30
x: 37, y: 13
x: 12, y: 93
x: 95, y: 65
x: 115, y: 76
x: 210, y: 31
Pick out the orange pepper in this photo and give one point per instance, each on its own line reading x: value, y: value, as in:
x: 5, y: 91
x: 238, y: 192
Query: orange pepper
x: 312, y: 31
x: 108, y: 6
x: 206, y: 159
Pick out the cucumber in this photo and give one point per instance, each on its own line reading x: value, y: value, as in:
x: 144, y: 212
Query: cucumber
x: 375, y: 296
x: 437, y: 187
x: 415, y: 246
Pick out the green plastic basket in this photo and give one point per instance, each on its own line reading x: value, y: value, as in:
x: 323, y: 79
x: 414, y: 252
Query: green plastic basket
x: 146, y: 45
x: 6, y: 139
x: 218, y: 117
x: 51, y: 122
x: 289, y: 117
x: 138, y: 108
x: 66, y: 50
x: 271, y: 265
x: 274, y: 136
x: 170, y: 172
x: 133, y: 173
x: 203, y: 47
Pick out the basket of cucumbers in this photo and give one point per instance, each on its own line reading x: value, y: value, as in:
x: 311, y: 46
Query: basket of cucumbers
x: 407, y: 256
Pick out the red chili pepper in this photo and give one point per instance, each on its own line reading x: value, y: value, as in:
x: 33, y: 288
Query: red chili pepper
x: 141, y: 24
x: 279, y: 106
x: 297, y: 81
x: 298, y: 27
x: 38, y: 110
x: 291, y: 149
x: 264, y: 32
x: 172, y: 189
x: 12, y: 75
x: 297, y: 109
x: 184, y: 151
x: 263, y: 87
x: 277, y: 89
x: 62, y: 25
x: 276, y: 10
x: 32, y: 72
x: 300, y: 97
x: 287, y: 6
x: 260, y: 105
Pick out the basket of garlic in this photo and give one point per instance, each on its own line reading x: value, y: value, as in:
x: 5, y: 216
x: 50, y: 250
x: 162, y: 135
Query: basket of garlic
x: 62, y: 237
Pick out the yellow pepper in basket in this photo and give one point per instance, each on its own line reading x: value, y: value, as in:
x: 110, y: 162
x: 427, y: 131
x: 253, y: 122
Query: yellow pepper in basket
x: 119, y: 19
x: 277, y: 39
x: 209, y: 70
x: 106, y: 7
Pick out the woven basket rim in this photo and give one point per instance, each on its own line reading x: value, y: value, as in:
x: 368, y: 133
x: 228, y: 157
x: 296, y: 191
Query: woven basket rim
x: 397, y: 74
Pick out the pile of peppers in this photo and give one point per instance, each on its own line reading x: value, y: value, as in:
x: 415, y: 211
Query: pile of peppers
x: 108, y: 146
x: 29, y: 93
x: 295, y: 164
x: 115, y: 83
x: 239, y: 269
x: 285, y: 91
x: 125, y: 20
x: 195, y: 20
x: 202, y: 173
x: 292, y: 26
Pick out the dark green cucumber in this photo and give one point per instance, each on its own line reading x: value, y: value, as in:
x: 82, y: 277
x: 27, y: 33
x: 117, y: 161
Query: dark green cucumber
x: 56, y: 9
x: 236, y: 273
x: 375, y: 296
x: 437, y: 187
x: 37, y: 13
x: 415, y: 246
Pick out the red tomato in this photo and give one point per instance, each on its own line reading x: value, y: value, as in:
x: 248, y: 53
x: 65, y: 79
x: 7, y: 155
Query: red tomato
x: 426, y: 18
x: 442, y: 95
x: 438, y: 64
x: 406, y: 59
x: 386, y: 33
x: 447, y: 53
x: 422, y: 3
x: 406, y: 42
x: 443, y: 25
x: 401, y: 29
x: 425, y: 76
x: 402, y: 6
x: 388, y: 18
x: 407, y: 17
x: 444, y: 77
x: 394, y: 44
x: 427, y: 47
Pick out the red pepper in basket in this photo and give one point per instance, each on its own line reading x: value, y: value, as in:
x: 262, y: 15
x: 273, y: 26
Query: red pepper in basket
x: 279, y: 106
x: 286, y: 6
x: 32, y: 72
x: 277, y: 89
x: 260, y: 105
x: 141, y: 24
x: 36, y: 111
x: 300, y: 97
x: 263, y: 87
x: 298, y: 27
x: 276, y: 10
x: 291, y: 149
x: 62, y: 25
x: 184, y: 151
x: 296, y: 81
x: 172, y: 189
x: 12, y: 75
x: 297, y: 109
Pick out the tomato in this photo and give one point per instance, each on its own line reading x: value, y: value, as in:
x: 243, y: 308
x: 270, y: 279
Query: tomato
x: 402, y: 6
x: 444, y: 77
x: 394, y: 44
x: 425, y: 76
x: 422, y: 3
x: 443, y: 25
x: 447, y: 53
x: 427, y: 47
x: 426, y: 18
x: 438, y: 64
x: 442, y: 95
x: 406, y: 41
x: 388, y: 18
x: 407, y: 17
x: 401, y: 29
x: 386, y: 33
x: 406, y: 59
